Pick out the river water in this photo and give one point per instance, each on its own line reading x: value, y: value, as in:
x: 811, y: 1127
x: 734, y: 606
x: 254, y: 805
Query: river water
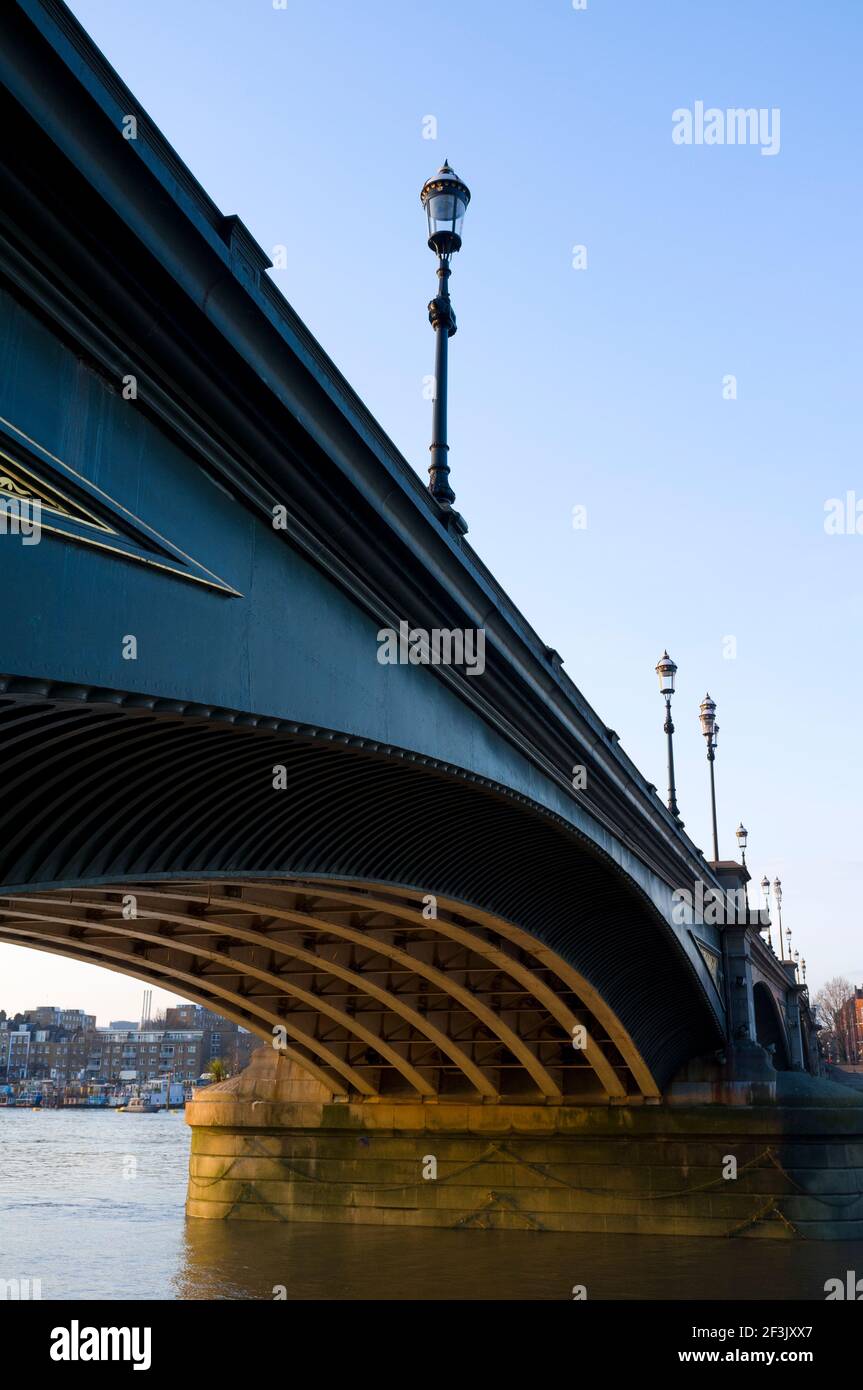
x: 91, y: 1204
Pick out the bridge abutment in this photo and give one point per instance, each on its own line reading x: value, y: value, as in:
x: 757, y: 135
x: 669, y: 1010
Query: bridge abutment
x: 272, y: 1144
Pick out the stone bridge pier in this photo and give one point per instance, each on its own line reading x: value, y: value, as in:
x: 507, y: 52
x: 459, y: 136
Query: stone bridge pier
x: 273, y: 1144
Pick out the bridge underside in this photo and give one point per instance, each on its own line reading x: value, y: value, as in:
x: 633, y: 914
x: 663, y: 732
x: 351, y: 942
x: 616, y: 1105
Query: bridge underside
x: 288, y: 877
x: 359, y: 985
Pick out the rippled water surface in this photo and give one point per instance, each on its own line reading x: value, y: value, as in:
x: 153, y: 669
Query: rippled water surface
x: 91, y: 1203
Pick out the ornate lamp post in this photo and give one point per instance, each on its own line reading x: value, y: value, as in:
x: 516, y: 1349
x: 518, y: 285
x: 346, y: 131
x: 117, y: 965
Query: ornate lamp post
x: 710, y: 730
x: 742, y: 836
x: 445, y: 199
x: 777, y: 889
x: 666, y: 671
x: 765, y: 888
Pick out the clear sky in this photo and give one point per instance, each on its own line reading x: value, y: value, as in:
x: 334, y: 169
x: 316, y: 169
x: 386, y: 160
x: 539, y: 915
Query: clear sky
x: 599, y: 387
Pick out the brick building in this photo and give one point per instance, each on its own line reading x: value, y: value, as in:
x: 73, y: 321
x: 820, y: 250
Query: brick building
x: 14, y: 1052
x: 65, y: 1045
x: 850, y: 1026
x: 221, y: 1038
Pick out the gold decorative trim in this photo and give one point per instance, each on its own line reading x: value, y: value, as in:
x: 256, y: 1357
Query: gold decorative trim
x: 712, y: 960
x: 128, y: 536
x: 19, y: 482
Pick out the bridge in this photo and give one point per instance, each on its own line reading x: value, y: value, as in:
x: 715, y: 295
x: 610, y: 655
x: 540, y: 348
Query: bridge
x: 439, y: 887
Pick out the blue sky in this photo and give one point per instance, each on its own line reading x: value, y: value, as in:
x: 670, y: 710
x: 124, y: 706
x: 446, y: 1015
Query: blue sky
x: 600, y: 387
